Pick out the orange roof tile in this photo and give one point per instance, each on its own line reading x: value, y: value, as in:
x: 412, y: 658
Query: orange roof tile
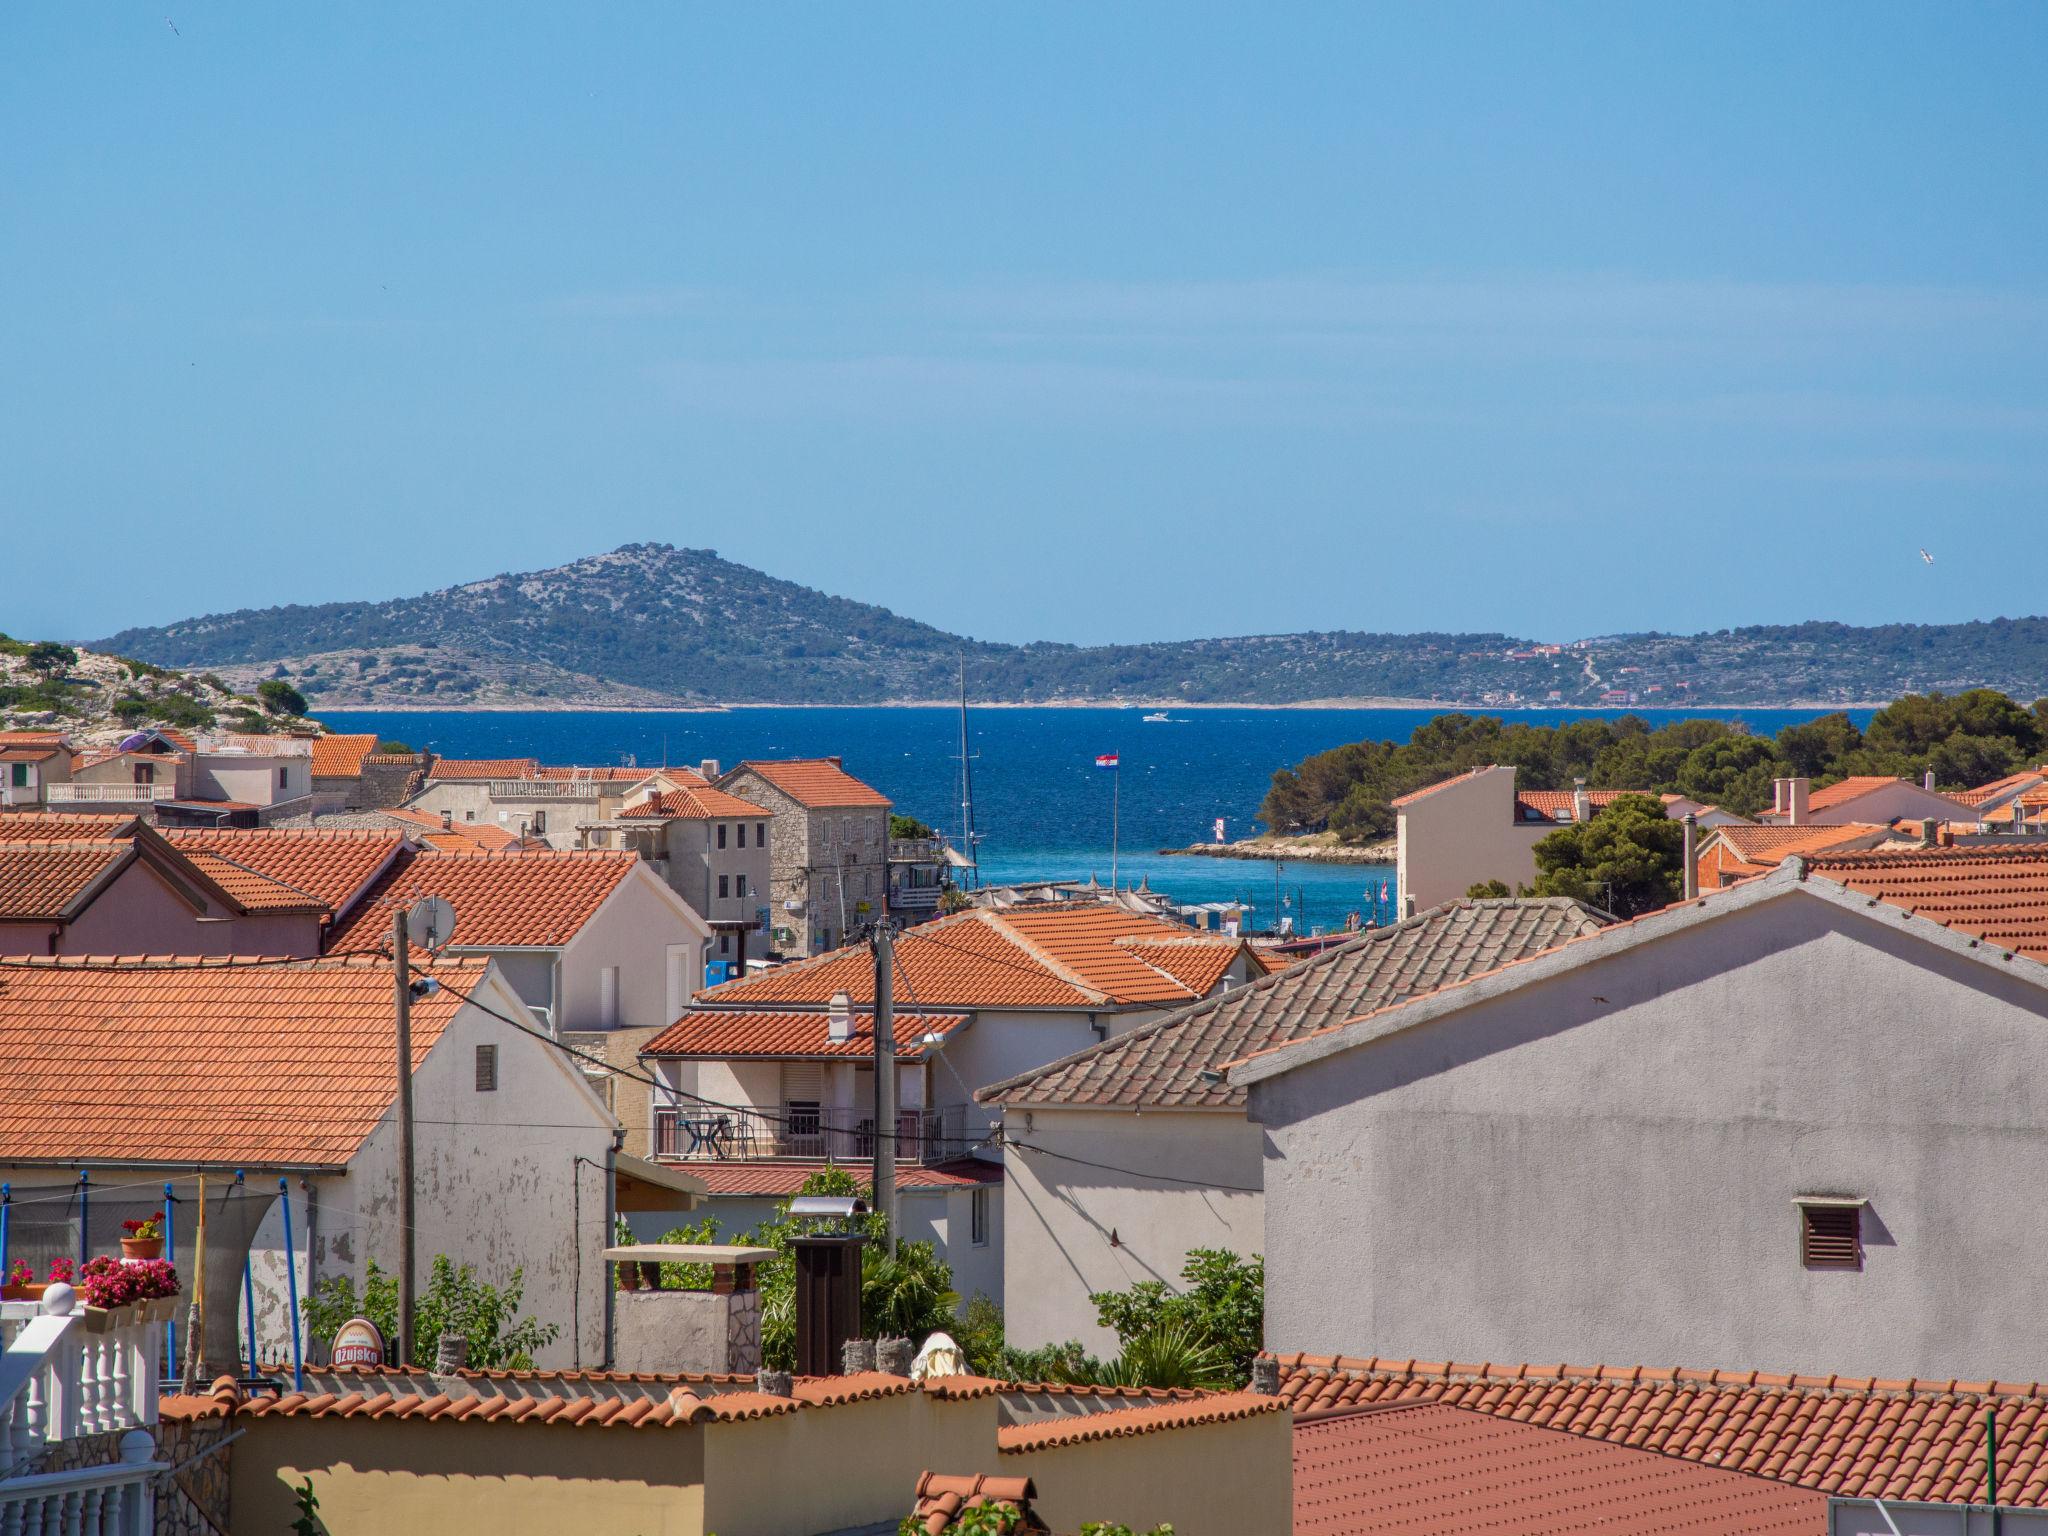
x: 1996, y: 894
x: 942, y: 1500
x: 1037, y: 957
x: 484, y: 768
x: 328, y: 868
x: 45, y: 882
x: 728, y: 1034
x: 1736, y: 853
x: 63, y: 827
x: 240, y: 1063
x: 1429, y: 789
x: 1854, y: 1438
x: 776, y: 1180
x: 613, y: 775
x: 32, y: 738
x: 501, y: 900
x: 1150, y: 1419
x: 458, y: 836
x: 2012, y: 783
x: 682, y: 1406
x: 1546, y: 803
x: 1857, y: 786
x: 341, y: 757
x: 1431, y: 1469
x: 698, y: 804
x: 818, y: 782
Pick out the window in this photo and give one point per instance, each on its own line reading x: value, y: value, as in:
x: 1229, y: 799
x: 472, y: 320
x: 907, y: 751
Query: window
x: 721, y: 834
x: 280, y: 778
x: 608, y: 996
x: 977, y: 1218
x: 742, y: 829
x: 825, y: 832
x: 1831, y: 1233
x: 487, y: 1069
x: 19, y: 775
x: 760, y: 834
x: 739, y: 886
x: 724, y: 882
x: 471, y: 816
x: 874, y: 828
x: 846, y: 830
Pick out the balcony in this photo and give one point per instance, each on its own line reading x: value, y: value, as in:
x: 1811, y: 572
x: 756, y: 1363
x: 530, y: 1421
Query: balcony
x: 110, y: 794
x: 65, y: 1374
x: 543, y: 789
x: 699, y: 1133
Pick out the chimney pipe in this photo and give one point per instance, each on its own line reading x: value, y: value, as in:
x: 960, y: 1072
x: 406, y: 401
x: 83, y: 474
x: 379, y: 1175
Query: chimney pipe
x: 1795, y: 799
x: 1927, y: 781
x: 839, y: 1017
x: 1692, y: 874
x: 1778, y: 797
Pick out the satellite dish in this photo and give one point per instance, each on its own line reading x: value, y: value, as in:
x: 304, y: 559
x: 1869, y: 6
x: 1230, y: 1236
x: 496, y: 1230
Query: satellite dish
x: 430, y: 923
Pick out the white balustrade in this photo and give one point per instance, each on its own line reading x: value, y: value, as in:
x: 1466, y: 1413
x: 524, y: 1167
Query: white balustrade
x: 67, y: 1373
x: 109, y: 794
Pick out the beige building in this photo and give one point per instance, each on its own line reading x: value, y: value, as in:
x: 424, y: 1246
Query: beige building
x: 712, y: 849
x: 1478, y: 827
x: 1864, y: 800
x: 31, y: 761
x: 526, y: 797
x: 1121, y: 1159
x: 1751, y: 1130
x: 829, y: 858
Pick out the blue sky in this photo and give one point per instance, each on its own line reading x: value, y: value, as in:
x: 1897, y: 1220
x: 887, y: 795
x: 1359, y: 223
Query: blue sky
x: 1079, y: 322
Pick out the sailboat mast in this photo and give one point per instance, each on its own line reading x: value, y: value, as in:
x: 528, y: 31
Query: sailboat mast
x: 967, y: 834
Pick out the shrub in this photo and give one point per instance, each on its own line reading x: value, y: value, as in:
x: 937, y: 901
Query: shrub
x: 455, y: 1301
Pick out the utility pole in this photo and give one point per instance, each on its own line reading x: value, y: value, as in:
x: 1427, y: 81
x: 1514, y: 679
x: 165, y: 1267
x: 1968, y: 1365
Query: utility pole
x: 885, y: 1080
x: 968, y: 839
x: 401, y: 964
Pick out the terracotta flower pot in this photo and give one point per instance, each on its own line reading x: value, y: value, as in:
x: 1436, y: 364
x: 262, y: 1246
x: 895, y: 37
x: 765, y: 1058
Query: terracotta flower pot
x: 23, y: 1292
x: 142, y: 1247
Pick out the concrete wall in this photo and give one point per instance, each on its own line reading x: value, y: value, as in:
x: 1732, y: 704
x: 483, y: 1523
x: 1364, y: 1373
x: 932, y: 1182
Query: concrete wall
x: 1889, y: 803
x: 374, y: 1477
x: 633, y: 931
x: 1601, y: 1166
x: 1231, y: 1479
x: 1001, y: 1043
x: 977, y: 1267
x: 498, y: 1185
x: 252, y: 779
x: 1455, y: 837
x: 1058, y: 1216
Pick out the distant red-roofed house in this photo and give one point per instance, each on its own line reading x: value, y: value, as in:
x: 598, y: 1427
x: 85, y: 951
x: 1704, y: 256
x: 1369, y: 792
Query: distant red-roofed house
x: 31, y: 761
x: 1750, y: 1127
x: 1868, y: 799
x: 1477, y: 827
x: 829, y: 854
x: 568, y: 807
x: 712, y: 848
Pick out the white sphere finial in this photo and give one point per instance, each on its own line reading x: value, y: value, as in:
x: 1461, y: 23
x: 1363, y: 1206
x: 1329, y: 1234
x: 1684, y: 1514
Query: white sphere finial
x: 58, y: 1299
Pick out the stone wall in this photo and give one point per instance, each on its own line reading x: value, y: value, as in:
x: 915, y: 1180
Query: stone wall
x: 687, y: 1331
x: 193, y: 1501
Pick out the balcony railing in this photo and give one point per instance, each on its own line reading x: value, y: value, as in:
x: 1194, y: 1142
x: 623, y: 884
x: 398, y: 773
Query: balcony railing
x: 542, y: 789
x: 110, y: 794
x: 692, y: 1133
x: 63, y: 1376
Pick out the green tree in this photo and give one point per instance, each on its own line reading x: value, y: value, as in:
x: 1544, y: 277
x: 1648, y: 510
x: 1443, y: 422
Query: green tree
x: 455, y: 1301
x: 48, y: 658
x: 280, y: 697
x: 1629, y: 859
x: 1733, y: 772
x: 394, y: 749
x: 906, y: 827
x: 1222, y: 1301
x: 1488, y: 890
x: 1814, y: 750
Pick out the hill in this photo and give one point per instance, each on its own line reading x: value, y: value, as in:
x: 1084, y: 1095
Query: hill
x: 96, y: 697
x: 650, y: 624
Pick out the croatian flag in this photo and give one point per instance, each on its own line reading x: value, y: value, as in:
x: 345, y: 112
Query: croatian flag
x: 1106, y: 760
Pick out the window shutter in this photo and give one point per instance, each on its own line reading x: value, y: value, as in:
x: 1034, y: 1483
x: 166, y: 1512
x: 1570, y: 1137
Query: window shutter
x: 487, y: 1069
x: 1831, y: 1236
x: 803, y: 1082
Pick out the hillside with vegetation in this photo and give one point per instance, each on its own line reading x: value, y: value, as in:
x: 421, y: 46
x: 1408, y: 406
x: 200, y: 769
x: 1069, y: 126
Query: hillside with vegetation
x: 650, y: 624
x: 1964, y: 739
x: 92, y: 695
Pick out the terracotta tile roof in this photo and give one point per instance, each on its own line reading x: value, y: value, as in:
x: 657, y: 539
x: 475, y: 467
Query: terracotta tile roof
x: 785, y: 1035
x: 1038, y: 957
x: 64, y: 827
x: 1430, y: 1469
x: 941, y: 1500
x: 1996, y: 894
x: 1158, y: 1062
x: 612, y: 775
x: 341, y: 757
x: 501, y: 900
x: 1728, y: 854
x: 1857, y: 786
x: 1414, y: 795
x: 860, y: 1387
x: 1079, y: 1428
x: 426, y: 827
x: 779, y: 1180
x: 29, y: 754
x: 45, y: 882
x: 484, y: 768
x: 681, y: 1407
x: 818, y: 782
x: 1197, y: 964
x: 2011, y: 784
x: 1854, y: 1438
x: 698, y: 804
x: 240, y: 1063
x: 32, y: 738
x: 328, y: 868
x: 1546, y: 803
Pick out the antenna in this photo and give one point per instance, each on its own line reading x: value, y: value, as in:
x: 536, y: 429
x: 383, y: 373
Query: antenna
x: 970, y: 839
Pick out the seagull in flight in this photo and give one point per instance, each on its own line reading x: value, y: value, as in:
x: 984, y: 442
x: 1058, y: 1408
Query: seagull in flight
x: 1927, y: 557
x: 173, y: 26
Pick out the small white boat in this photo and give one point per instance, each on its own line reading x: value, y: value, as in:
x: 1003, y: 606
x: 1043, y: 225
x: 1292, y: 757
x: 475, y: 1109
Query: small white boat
x: 1159, y: 717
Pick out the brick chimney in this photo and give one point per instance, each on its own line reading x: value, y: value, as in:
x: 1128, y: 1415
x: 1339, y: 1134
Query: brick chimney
x: 1795, y: 799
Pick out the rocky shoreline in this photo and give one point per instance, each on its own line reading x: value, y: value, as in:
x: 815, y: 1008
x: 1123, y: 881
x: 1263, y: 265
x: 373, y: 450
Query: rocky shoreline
x: 1293, y: 850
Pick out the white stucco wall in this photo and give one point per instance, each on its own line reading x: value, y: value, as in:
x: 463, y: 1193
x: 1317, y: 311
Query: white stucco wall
x: 1601, y: 1167
x: 1890, y: 803
x: 1058, y: 1216
x: 1466, y: 832
x: 633, y: 931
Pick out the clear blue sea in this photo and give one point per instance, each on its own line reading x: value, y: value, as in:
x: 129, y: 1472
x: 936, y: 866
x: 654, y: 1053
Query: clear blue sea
x: 1041, y: 805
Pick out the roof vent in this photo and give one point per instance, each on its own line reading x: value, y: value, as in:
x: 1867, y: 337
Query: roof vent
x: 708, y: 768
x: 839, y: 1016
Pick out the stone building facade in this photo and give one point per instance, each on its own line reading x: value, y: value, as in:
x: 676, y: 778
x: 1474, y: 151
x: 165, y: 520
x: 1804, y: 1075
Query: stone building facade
x: 828, y: 868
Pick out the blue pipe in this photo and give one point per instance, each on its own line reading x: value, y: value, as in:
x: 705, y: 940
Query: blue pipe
x: 248, y: 1294
x: 6, y: 1199
x: 291, y: 1280
x: 84, y: 1214
x: 170, y: 1327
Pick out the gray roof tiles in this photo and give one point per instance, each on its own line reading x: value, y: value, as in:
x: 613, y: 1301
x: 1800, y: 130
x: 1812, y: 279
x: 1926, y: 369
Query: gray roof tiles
x: 1158, y: 1064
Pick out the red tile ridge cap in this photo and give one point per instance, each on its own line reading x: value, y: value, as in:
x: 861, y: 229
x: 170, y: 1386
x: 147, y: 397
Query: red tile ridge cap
x: 1039, y: 956
x: 1147, y: 1419
x: 861, y: 1386
x: 1635, y: 1375
x: 962, y: 1386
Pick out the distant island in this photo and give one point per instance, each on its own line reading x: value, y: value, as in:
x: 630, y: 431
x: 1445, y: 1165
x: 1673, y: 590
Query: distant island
x: 654, y: 626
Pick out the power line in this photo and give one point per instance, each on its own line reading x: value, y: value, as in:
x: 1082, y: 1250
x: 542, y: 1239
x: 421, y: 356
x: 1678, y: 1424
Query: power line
x: 1135, y: 1173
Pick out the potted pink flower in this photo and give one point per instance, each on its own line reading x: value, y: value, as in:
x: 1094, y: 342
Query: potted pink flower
x: 143, y: 1239
x: 21, y: 1283
x: 141, y: 1288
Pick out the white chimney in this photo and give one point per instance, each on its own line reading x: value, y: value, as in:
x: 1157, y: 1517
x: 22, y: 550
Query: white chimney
x: 1927, y: 783
x: 1778, y: 806
x: 1582, y: 807
x: 1795, y: 799
x: 839, y: 1017
x: 708, y: 768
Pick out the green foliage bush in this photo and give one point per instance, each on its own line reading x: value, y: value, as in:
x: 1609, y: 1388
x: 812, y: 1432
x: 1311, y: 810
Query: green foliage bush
x: 280, y: 697
x: 454, y: 1301
x: 1628, y: 859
